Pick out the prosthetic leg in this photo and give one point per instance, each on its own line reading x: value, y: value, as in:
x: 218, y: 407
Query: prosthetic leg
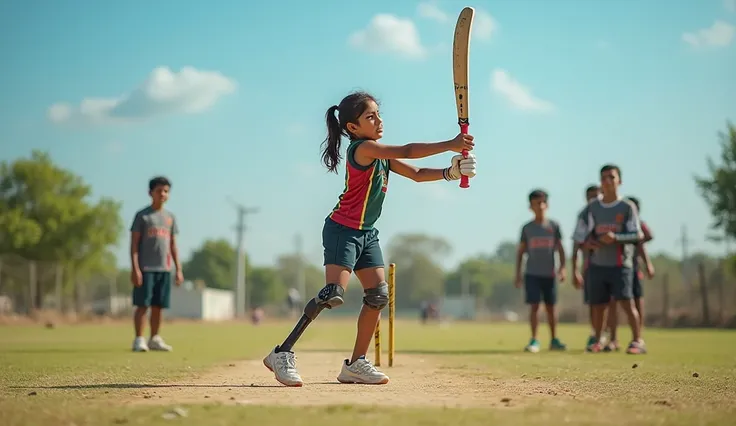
x: 331, y: 296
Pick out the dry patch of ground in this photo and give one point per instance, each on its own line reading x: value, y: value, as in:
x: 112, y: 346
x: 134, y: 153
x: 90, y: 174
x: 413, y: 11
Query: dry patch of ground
x: 415, y: 381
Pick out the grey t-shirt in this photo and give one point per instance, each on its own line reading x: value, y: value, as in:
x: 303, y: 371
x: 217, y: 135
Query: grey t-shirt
x: 599, y: 218
x: 156, y: 229
x: 541, y: 242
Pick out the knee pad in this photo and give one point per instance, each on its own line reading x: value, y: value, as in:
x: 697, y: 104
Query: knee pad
x: 376, y: 298
x: 329, y: 297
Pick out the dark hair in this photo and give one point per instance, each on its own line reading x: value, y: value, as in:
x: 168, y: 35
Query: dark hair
x: 350, y: 109
x: 608, y: 167
x: 158, y: 181
x: 591, y: 188
x: 537, y: 193
x: 635, y: 201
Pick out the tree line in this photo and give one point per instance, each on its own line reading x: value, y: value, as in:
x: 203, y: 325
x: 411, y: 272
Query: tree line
x: 47, y: 215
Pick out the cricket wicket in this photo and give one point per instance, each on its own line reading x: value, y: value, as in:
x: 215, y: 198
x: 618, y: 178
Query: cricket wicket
x: 391, y: 315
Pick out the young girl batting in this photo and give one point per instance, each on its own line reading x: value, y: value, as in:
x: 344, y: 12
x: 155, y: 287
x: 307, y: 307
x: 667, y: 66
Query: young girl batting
x: 349, y: 237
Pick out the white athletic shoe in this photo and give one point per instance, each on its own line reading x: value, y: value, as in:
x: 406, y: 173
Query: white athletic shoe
x: 361, y: 371
x: 139, y: 345
x: 157, y: 344
x: 283, y: 366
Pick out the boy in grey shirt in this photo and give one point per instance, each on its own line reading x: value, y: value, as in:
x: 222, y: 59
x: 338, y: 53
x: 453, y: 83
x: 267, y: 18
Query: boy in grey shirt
x: 610, y: 228
x: 153, y: 254
x: 540, y: 240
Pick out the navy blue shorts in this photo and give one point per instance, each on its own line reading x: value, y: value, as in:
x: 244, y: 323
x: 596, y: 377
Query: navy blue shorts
x: 586, y: 292
x: 606, y: 282
x: 540, y: 290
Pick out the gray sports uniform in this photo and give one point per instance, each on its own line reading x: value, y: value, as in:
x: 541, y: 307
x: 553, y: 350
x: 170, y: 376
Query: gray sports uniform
x: 610, y: 271
x: 539, y: 278
x: 541, y: 241
x: 156, y: 229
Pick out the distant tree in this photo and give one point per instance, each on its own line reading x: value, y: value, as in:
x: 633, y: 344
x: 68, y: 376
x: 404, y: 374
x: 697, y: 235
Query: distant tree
x: 46, y: 214
x: 719, y: 188
x: 265, y: 286
x: 419, y: 275
x: 214, y: 262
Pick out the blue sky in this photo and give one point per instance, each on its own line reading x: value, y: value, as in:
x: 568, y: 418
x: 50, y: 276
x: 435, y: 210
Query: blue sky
x: 557, y: 88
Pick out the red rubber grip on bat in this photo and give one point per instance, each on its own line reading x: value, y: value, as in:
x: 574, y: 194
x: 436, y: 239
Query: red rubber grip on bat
x: 464, y: 180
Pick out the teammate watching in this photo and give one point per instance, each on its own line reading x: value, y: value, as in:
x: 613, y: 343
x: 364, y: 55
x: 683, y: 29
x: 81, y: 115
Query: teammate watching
x: 152, y: 251
x: 540, y: 239
x: 592, y: 192
x: 610, y: 227
x: 349, y: 236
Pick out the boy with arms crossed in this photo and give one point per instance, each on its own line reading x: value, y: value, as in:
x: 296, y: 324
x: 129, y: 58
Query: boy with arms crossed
x: 610, y: 227
x: 540, y: 239
x: 152, y: 250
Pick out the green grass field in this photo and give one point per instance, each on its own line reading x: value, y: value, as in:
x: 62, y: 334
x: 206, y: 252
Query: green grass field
x: 470, y: 373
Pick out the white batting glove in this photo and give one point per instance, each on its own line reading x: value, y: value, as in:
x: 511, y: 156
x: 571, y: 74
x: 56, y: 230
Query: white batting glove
x: 461, y: 167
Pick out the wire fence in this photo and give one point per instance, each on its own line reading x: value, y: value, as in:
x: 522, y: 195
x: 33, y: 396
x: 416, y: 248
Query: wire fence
x: 32, y: 287
x: 703, y: 294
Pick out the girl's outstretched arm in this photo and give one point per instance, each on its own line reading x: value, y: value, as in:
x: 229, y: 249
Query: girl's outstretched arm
x: 459, y: 166
x: 370, y: 150
x: 415, y: 173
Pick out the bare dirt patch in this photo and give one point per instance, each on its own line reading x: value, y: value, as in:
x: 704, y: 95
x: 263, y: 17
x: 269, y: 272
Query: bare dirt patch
x: 415, y: 381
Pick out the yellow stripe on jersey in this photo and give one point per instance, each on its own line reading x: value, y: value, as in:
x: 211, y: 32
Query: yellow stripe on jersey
x: 344, y: 191
x: 367, y: 197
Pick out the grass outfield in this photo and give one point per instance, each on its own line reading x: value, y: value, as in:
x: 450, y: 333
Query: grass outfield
x: 469, y: 373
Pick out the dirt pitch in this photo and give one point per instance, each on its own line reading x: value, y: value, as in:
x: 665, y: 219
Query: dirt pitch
x: 415, y: 381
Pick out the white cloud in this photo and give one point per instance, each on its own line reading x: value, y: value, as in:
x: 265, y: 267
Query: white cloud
x: 730, y: 5
x: 389, y: 34
x: 720, y: 34
x: 484, y: 25
x: 432, y: 11
x: 516, y: 94
x: 164, y: 92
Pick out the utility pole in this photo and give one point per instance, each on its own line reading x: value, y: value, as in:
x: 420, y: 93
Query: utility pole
x: 240, y: 293
x: 301, y: 282
x: 684, y: 242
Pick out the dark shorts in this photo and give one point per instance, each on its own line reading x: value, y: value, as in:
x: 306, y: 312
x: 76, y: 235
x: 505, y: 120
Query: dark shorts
x: 607, y: 282
x: 155, y: 290
x: 351, y: 248
x: 540, y: 290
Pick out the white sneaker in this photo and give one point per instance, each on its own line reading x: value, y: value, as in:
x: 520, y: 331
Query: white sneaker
x: 139, y: 345
x: 157, y: 344
x: 283, y: 366
x: 361, y: 371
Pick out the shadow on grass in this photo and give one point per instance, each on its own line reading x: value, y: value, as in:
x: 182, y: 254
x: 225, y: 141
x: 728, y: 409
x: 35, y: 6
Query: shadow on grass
x: 441, y: 351
x: 101, y: 386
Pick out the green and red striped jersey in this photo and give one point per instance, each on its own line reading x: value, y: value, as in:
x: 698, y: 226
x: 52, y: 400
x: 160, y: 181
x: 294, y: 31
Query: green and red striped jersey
x: 360, y: 204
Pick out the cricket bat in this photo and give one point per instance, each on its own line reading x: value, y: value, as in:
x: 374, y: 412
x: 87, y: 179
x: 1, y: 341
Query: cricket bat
x: 460, y: 56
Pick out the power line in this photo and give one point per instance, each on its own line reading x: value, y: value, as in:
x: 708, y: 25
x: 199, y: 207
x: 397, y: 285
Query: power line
x: 240, y: 288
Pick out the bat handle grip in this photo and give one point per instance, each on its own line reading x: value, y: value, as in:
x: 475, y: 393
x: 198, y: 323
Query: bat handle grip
x: 464, y: 180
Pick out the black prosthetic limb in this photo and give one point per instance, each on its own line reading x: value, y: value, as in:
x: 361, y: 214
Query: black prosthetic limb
x: 329, y: 297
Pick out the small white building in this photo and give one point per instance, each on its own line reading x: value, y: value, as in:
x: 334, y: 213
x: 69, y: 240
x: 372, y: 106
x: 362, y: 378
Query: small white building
x: 202, y: 303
